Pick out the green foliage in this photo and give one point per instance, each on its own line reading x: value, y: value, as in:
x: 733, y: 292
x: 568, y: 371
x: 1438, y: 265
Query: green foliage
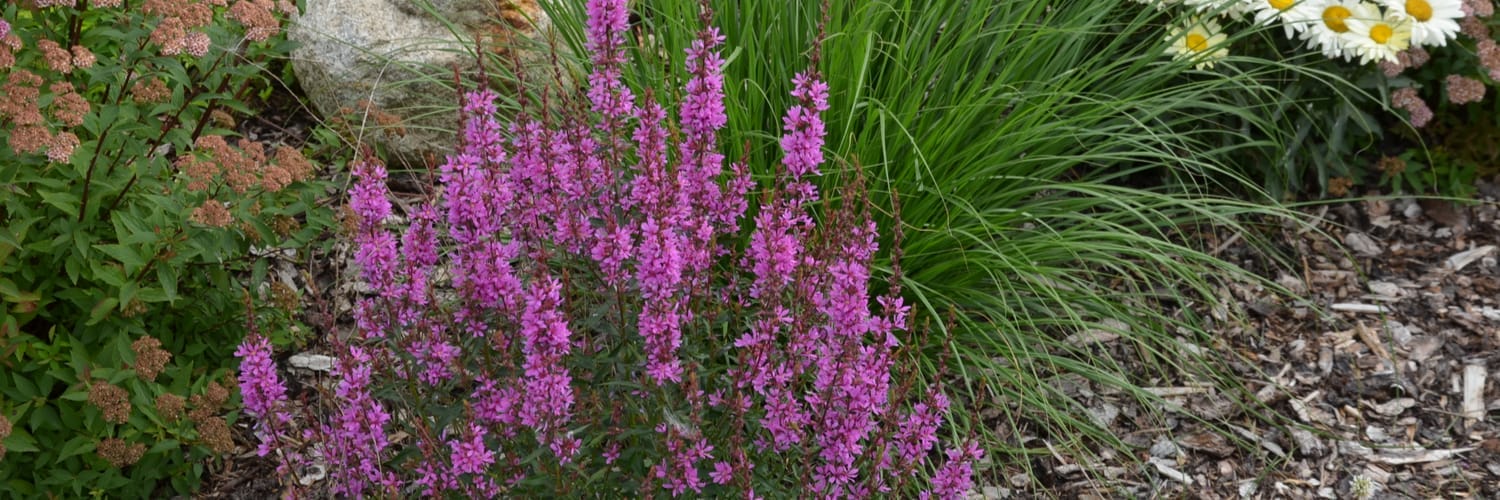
x: 137, y: 221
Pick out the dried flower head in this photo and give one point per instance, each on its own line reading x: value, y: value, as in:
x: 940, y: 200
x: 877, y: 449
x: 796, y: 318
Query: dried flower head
x: 4, y: 433
x: 212, y: 213
x: 1464, y: 90
x: 1474, y: 28
x: 169, y: 406
x: 221, y: 118
x: 1406, y: 98
x: 1489, y: 56
x: 296, y: 165
x: 58, y: 58
x: 1391, y: 165
x: 67, y: 106
x: 30, y: 139
x: 113, y: 401
x: 215, y: 433
x: 82, y: 57
x: 150, y: 358
x: 120, y: 453
x: 22, y: 91
x: 1339, y: 186
x: 1479, y: 8
x: 61, y: 147
x: 284, y: 296
x: 108, y: 4
x: 150, y: 90
x: 260, y: 23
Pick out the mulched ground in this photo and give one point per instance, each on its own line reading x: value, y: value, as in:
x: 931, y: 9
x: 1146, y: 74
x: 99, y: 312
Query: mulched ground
x: 1388, y: 395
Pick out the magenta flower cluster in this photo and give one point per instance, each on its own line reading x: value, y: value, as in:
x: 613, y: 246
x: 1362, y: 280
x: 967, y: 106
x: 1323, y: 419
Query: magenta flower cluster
x: 573, y: 303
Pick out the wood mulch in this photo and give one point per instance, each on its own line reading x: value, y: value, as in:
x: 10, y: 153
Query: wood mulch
x: 1378, y: 385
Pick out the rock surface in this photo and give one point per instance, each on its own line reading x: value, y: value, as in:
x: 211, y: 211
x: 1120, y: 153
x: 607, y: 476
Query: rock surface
x: 379, y: 61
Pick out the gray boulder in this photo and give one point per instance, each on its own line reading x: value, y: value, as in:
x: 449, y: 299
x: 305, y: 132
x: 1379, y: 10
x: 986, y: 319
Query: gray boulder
x: 400, y: 58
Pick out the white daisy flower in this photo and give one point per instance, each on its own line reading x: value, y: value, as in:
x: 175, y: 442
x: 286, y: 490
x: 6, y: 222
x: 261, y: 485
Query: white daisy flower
x: 1233, y: 9
x: 1201, y: 41
x: 1434, y: 22
x: 1378, y: 38
x: 1326, y: 32
x: 1293, y: 14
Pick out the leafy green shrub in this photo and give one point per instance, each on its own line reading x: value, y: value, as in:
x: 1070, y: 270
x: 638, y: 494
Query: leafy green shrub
x: 128, y: 216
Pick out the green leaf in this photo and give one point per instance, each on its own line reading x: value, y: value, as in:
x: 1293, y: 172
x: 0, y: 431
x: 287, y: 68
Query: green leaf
x: 166, y: 276
x: 66, y: 202
x: 78, y: 446
x: 102, y: 310
x: 126, y: 255
x: 24, y: 387
x: 20, y: 441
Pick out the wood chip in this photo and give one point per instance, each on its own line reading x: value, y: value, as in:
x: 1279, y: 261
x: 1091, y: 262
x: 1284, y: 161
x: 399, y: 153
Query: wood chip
x: 1371, y: 340
x: 1359, y: 308
x: 1166, y: 469
x: 1473, y: 405
x: 1362, y: 244
x: 1415, y: 455
x: 1463, y: 259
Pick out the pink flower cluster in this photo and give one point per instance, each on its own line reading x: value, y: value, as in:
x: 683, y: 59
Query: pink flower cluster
x: 600, y: 246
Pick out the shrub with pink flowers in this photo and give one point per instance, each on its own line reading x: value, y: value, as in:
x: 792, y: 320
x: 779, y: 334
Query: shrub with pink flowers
x: 571, y: 315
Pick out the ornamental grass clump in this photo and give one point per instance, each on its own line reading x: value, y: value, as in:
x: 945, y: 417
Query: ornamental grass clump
x: 571, y: 315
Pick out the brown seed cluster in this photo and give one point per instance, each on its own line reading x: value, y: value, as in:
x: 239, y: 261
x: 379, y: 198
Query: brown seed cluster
x: 1479, y: 8
x: 1411, y: 58
x: 57, y: 57
x: 1489, y: 56
x: 1464, y: 90
x: 1391, y: 165
x: 242, y: 168
x: 179, y: 31
x: 257, y: 16
x: 9, y: 44
x: 212, y: 213
x: 67, y: 106
x: 215, y: 433
x: 206, y: 405
x: 4, y: 433
x: 150, y: 90
x: 150, y: 358
x: 169, y: 406
x: 112, y: 400
x: 120, y: 453
x: 1474, y: 27
x: 22, y: 91
x: 1339, y: 186
x: 205, y: 416
x: 284, y: 296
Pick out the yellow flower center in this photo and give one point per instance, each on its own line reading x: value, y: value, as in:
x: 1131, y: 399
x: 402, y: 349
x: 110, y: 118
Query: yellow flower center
x: 1334, y: 17
x: 1283, y: 4
x: 1419, y: 10
x: 1380, y: 33
x: 1196, y: 42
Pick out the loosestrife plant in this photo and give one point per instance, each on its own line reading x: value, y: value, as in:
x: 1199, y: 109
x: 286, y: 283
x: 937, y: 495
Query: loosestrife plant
x: 599, y: 335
